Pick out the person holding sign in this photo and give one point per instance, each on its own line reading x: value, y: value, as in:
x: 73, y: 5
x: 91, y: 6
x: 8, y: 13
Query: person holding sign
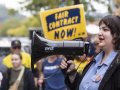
x: 103, y: 71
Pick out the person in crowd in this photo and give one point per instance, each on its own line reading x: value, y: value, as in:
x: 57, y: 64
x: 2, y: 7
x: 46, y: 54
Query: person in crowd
x: 91, y: 47
x: 26, y: 58
x: 39, y: 67
x: 36, y: 74
x: 27, y: 79
x: 3, y: 68
x: 2, y: 72
x: 96, y: 44
x: 16, y: 47
x: 50, y: 66
x: 79, y: 59
x: 103, y: 71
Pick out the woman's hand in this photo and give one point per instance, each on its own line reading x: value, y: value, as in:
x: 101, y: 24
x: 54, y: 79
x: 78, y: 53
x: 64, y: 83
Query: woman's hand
x: 64, y: 64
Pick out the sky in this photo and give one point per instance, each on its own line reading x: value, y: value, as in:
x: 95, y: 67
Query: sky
x: 15, y: 4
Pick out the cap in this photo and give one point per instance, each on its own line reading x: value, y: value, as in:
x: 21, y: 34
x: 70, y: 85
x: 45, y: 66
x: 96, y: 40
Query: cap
x: 15, y: 43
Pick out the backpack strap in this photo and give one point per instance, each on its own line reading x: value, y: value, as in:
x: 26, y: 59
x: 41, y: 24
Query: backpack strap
x: 21, y: 73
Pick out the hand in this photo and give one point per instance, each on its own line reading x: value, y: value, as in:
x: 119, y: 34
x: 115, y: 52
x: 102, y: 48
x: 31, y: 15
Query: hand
x: 40, y: 82
x: 64, y: 64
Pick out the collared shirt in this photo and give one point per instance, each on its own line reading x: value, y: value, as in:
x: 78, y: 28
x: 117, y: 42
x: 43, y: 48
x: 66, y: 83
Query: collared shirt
x: 94, y: 75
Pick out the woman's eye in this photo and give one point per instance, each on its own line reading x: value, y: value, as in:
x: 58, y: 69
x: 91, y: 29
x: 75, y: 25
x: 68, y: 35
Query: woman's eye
x: 106, y: 30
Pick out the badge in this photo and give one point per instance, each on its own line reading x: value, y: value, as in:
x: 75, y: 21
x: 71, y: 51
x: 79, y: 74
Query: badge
x: 16, y: 42
x: 98, y: 78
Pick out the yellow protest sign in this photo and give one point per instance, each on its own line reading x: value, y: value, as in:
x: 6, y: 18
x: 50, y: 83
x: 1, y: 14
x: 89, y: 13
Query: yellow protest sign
x: 67, y: 22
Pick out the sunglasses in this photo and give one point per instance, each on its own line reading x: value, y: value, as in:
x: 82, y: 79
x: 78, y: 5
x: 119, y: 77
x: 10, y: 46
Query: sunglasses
x: 17, y: 47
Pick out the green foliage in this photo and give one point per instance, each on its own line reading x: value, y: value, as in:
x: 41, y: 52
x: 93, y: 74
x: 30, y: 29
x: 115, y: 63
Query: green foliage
x: 16, y: 27
x: 1, y: 28
x: 89, y: 7
x: 11, y: 11
x: 69, y: 2
x: 10, y: 23
x: 4, y: 14
x: 36, y: 5
x: 20, y: 31
x: 117, y: 3
x: 109, y: 8
x: 23, y: 29
x: 0, y: 31
x: 32, y: 22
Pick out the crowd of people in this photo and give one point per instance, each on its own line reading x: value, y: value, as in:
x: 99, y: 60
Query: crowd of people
x: 99, y: 70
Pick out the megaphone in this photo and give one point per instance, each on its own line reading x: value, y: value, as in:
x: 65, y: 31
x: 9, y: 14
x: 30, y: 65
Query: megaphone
x: 41, y: 48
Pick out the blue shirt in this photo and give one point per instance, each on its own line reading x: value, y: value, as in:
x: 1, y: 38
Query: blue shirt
x: 56, y: 82
x: 94, y: 75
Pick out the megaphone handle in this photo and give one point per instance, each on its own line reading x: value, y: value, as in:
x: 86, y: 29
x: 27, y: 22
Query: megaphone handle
x: 68, y: 57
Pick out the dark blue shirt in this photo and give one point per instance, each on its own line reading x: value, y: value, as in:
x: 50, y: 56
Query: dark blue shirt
x: 56, y: 82
x: 91, y: 50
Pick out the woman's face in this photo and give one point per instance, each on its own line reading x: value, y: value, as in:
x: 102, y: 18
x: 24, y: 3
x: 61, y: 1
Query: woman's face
x: 105, y: 37
x: 16, y: 61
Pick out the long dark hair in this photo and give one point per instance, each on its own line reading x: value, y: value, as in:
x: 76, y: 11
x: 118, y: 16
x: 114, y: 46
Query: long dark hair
x: 113, y: 23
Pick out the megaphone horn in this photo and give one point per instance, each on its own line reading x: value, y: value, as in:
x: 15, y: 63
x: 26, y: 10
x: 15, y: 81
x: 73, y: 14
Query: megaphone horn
x: 41, y: 48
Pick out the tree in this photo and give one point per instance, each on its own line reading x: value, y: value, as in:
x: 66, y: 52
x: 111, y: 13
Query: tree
x: 11, y: 11
x: 32, y: 22
x: 19, y: 31
x: 35, y: 6
x: 1, y: 26
x: 117, y: 5
x: 10, y: 23
x: 23, y: 29
x: 117, y: 2
x: 5, y: 14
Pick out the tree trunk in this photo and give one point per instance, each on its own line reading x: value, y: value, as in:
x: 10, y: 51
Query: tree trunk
x: 76, y: 2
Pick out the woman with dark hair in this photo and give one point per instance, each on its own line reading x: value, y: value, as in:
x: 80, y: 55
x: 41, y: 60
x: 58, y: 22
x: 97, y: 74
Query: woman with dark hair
x: 18, y: 77
x: 103, y: 71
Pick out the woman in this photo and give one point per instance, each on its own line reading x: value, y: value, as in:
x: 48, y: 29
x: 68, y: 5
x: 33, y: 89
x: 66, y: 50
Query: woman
x: 27, y: 80
x: 50, y: 66
x: 103, y: 71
